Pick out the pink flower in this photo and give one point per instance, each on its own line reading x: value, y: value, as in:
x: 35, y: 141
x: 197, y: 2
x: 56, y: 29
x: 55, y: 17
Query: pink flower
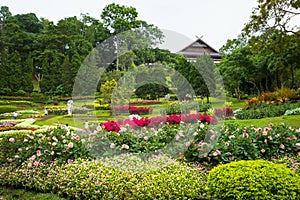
x: 281, y: 146
x: 12, y: 140
x: 265, y: 133
x: 38, y: 153
x: 187, y: 144
x: 77, y: 137
x: 245, y: 135
x: 146, y: 138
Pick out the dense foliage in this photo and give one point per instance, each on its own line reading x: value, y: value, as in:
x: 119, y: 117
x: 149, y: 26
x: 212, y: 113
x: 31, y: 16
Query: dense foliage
x: 253, y: 180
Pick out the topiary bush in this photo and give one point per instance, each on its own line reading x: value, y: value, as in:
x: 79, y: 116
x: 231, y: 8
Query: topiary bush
x: 253, y: 180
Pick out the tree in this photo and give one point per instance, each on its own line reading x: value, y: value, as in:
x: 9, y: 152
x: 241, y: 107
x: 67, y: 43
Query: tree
x: 117, y: 18
x: 274, y: 14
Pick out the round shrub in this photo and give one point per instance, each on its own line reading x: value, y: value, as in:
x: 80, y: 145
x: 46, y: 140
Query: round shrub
x: 253, y: 180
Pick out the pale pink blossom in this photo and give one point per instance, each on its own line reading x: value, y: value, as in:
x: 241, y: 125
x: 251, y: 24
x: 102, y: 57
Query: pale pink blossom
x: 146, y: 138
x: 38, y: 153
x: 112, y: 145
x: 187, y: 144
x: 77, y: 137
x: 265, y: 133
x: 281, y: 146
x: 12, y: 140
x: 245, y: 135
x: 125, y: 146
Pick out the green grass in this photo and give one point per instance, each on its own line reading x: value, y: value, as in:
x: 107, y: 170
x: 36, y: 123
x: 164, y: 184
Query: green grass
x: 8, y: 193
x: 293, y: 121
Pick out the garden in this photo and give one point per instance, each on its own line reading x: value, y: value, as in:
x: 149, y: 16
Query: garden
x: 156, y: 149
x: 154, y: 125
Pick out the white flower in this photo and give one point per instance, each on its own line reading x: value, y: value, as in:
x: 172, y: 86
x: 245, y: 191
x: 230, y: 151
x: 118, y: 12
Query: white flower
x: 146, y: 138
x: 202, y: 125
x: 122, y: 129
x: 134, y: 116
x: 70, y: 145
x: 112, y: 145
x: 231, y: 137
x: 125, y: 146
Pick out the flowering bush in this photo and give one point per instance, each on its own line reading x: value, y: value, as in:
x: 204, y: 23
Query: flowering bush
x: 18, y: 146
x: 83, y: 179
x: 249, y: 143
x: 135, y: 122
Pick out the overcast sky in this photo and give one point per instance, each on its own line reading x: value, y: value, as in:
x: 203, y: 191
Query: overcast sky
x: 215, y: 20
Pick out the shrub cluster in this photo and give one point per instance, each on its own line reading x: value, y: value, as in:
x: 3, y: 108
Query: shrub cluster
x: 253, y: 180
x: 265, y: 110
x: 185, y: 107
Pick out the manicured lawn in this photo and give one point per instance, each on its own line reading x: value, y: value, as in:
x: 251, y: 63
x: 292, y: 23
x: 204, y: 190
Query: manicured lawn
x: 293, y: 121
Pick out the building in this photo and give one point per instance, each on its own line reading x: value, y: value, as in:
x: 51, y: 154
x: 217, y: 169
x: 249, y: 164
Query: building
x: 197, y: 48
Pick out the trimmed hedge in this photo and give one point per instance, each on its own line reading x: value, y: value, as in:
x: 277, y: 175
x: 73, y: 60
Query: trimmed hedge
x: 7, y: 109
x: 253, y: 180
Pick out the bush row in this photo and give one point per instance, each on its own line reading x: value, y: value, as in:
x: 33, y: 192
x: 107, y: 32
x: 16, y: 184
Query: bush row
x: 7, y: 109
x: 265, y: 110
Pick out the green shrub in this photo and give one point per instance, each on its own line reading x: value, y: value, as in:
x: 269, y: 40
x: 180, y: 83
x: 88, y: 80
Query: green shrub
x: 20, y: 93
x: 265, y: 110
x: 5, y: 91
x: 295, y: 111
x: 253, y: 180
x: 7, y: 109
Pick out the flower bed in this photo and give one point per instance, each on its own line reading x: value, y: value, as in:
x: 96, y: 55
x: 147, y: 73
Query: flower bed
x: 145, y: 102
x: 223, y: 113
x: 117, y: 110
x: 157, y: 121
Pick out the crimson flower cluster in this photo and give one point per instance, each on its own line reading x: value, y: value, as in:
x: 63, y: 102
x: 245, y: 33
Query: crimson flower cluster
x: 111, y: 126
x: 158, y: 121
